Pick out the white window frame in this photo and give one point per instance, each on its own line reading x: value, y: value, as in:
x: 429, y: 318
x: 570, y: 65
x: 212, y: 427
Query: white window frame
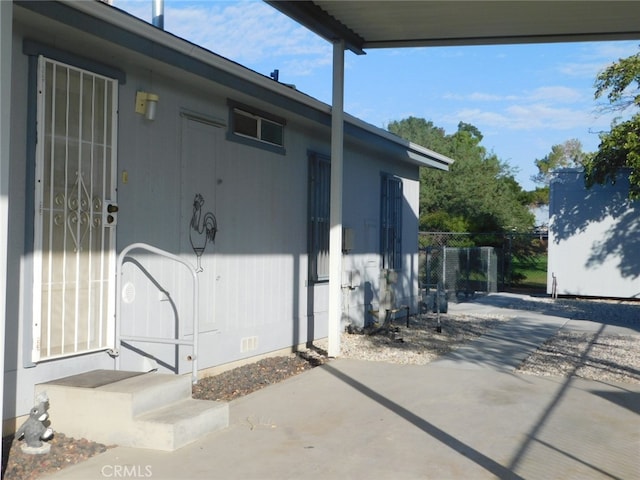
x: 261, y: 118
x: 259, y: 121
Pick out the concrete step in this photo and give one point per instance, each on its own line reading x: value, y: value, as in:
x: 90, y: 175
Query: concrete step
x: 151, y: 391
x: 149, y: 410
x: 180, y: 423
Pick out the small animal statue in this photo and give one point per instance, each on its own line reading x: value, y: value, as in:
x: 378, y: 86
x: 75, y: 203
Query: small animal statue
x: 34, y: 428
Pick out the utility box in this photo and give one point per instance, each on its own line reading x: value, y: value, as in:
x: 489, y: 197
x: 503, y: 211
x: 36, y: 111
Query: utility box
x: 351, y: 279
x: 387, y: 297
x: 430, y: 298
x: 348, y: 239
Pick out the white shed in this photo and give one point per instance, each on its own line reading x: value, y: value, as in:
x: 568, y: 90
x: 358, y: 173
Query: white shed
x: 594, y: 238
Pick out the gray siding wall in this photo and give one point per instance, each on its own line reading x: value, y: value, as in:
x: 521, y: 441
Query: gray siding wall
x: 362, y: 213
x: 255, y: 296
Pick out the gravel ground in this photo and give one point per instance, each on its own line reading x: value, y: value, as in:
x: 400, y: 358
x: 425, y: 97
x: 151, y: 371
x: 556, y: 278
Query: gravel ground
x: 243, y: 380
x: 611, y: 358
x: 420, y: 343
x: 65, y: 451
x: 596, y: 357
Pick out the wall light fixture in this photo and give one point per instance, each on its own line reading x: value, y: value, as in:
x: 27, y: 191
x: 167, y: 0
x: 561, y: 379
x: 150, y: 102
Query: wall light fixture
x: 146, y: 104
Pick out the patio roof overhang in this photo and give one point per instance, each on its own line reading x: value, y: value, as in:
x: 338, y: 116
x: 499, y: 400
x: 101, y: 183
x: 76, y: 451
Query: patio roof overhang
x: 370, y: 24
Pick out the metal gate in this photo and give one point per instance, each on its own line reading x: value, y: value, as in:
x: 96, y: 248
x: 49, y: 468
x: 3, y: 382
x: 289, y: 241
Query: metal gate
x: 75, y: 199
x: 455, y: 264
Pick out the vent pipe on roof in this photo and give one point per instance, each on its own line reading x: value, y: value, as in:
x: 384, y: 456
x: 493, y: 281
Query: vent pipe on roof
x: 158, y: 14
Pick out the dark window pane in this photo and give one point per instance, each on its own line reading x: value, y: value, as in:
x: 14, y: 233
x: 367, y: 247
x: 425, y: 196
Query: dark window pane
x: 245, y: 124
x: 271, y: 132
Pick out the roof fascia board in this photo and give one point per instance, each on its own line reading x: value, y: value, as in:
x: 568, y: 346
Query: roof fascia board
x: 420, y: 160
x: 416, y: 154
x: 310, y: 15
x: 111, y: 24
x: 30, y: 47
x: 506, y: 40
x: 129, y: 32
x: 433, y: 159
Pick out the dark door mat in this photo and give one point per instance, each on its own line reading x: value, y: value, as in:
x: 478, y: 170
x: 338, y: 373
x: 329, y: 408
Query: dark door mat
x: 94, y: 379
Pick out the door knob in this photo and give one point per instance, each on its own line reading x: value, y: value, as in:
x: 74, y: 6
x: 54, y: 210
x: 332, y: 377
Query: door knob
x: 110, y: 213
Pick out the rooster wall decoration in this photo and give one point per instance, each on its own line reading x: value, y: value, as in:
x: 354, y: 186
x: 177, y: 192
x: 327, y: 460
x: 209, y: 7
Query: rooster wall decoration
x: 202, y: 229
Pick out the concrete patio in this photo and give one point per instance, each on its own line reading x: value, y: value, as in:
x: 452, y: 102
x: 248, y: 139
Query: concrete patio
x: 466, y: 416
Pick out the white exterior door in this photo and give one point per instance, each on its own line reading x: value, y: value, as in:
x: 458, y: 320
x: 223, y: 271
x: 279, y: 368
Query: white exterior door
x: 199, y: 152
x: 76, y: 212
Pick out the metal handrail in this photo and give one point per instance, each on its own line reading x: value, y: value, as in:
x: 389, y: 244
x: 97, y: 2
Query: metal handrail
x: 170, y: 341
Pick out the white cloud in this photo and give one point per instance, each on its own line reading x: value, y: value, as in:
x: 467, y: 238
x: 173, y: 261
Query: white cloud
x: 531, y: 116
x: 489, y: 97
x: 300, y: 67
x: 608, y: 50
x: 597, y: 56
x: 554, y: 94
x: 477, y: 97
x: 583, y: 69
x: 525, y: 117
x: 246, y: 32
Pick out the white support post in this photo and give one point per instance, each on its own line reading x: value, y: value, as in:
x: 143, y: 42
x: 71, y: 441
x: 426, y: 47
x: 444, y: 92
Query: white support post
x: 335, y: 217
x: 6, y: 38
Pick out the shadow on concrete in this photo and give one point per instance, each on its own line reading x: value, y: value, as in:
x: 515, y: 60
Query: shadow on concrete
x: 626, y: 399
x: 533, y: 435
x: 460, y: 447
x: 576, y: 459
x: 523, y: 338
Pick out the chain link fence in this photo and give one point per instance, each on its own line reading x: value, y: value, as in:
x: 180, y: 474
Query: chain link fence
x: 458, y: 265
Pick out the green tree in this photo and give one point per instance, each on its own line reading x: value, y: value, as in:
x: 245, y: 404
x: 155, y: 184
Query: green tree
x: 537, y: 197
x: 567, y: 154
x: 420, y: 131
x: 478, y: 194
x: 620, y: 147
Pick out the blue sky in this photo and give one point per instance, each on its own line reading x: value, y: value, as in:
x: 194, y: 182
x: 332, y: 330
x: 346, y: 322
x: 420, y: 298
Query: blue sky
x: 523, y: 98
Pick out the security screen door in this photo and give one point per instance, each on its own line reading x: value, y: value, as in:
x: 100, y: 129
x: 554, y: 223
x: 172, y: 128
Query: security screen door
x: 75, y: 211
